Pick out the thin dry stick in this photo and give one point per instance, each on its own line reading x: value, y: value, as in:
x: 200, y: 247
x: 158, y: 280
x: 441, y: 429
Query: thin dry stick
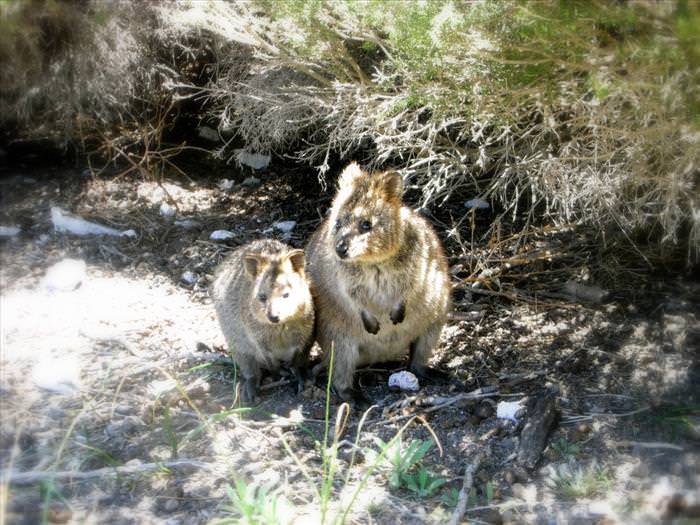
x: 648, y: 444
x: 467, y: 482
x: 34, y: 476
x: 4, y: 482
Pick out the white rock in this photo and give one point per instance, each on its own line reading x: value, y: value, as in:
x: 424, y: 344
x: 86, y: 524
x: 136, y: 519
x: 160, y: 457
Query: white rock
x: 43, y: 238
x: 254, y: 160
x: 479, y: 204
x: 221, y: 235
x: 509, y: 410
x: 188, y: 277
x: 65, y: 222
x: 251, y: 181
x: 187, y: 224
x: 404, y: 380
x: 208, y: 133
x: 225, y: 184
x: 59, y: 374
x: 285, y: 226
x: 167, y: 210
x: 584, y: 292
x: 8, y: 231
x: 129, y: 233
x: 65, y: 276
x: 161, y: 386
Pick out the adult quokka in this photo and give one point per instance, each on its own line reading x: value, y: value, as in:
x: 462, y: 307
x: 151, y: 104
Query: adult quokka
x: 265, y: 310
x: 380, y: 279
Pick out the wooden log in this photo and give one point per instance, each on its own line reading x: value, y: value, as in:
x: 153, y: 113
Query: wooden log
x: 541, y: 415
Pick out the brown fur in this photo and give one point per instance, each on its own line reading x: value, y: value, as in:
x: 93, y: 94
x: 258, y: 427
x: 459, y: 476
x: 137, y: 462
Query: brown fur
x: 249, y: 293
x: 392, y: 290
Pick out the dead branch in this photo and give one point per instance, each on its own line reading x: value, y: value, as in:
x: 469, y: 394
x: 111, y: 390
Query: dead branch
x: 34, y: 476
x: 469, y: 471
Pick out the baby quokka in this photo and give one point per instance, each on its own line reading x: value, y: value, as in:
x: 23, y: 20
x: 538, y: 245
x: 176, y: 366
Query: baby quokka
x: 265, y: 310
x: 380, y: 279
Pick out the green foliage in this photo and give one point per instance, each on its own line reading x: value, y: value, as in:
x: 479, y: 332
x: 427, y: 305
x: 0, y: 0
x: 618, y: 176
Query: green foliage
x: 255, y: 505
x: 170, y: 434
x: 450, y: 498
x: 49, y: 492
x: 676, y: 418
x: 402, y: 459
x: 488, y: 491
x: 565, y: 449
x: 403, y: 466
x: 574, y: 483
x: 422, y: 483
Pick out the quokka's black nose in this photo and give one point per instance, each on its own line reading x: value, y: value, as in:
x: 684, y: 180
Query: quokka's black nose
x: 273, y: 318
x: 341, y: 249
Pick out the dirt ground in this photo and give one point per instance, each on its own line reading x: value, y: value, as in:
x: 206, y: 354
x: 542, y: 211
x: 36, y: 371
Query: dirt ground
x: 118, y: 396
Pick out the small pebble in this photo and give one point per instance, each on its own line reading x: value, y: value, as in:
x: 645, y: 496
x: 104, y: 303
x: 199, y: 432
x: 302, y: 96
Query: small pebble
x: 167, y: 210
x: 518, y: 490
x: 484, y: 410
x: 251, y: 181
x: 188, y: 277
x: 59, y: 515
x: 171, y: 505
x: 493, y: 516
x: 285, y: 226
x: 221, y: 235
x: 582, y: 431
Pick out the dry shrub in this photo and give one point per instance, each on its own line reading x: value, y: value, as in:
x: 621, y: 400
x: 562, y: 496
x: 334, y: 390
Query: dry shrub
x: 577, y: 112
x: 69, y: 66
x: 567, y: 112
x: 107, y: 77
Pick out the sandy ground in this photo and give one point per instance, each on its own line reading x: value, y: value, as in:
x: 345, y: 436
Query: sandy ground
x: 118, y: 398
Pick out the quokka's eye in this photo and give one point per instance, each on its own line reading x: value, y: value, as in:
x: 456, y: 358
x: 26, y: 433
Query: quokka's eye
x: 285, y: 295
x: 365, y: 226
x: 262, y: 297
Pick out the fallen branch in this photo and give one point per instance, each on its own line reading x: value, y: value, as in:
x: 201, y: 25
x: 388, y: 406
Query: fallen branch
x: 438, y: 402
x: 592, y: 415
x: 542, y: 412
x: 648, y: 444
x: 33, y: 476
x: 467, y: 482
x: 511, y: 380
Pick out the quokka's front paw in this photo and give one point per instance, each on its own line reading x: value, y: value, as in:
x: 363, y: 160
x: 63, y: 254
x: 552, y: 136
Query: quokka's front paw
x: 370, y: 322
x: 398, y: 312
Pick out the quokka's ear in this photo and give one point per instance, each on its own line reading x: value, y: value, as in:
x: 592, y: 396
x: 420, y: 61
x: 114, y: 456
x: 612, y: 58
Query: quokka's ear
x: 392, y: 185
x: 296, y: 258
x: 349, y: 174
x: 253, y: 264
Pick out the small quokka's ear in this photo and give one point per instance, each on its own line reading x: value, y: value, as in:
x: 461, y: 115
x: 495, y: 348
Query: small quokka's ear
x: 349, y: 174
x: 296, y: 257
x: 392, y: 184
x: 253, y: 264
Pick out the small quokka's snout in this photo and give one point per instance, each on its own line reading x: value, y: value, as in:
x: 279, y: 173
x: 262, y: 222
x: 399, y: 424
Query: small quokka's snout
x: 341, y: 248
x: 273, y: 318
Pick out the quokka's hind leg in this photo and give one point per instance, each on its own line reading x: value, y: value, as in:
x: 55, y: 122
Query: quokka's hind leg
x: 250, y: 376
x: 345, y: 359
x: 421, y: 349
x: 299, y: 367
